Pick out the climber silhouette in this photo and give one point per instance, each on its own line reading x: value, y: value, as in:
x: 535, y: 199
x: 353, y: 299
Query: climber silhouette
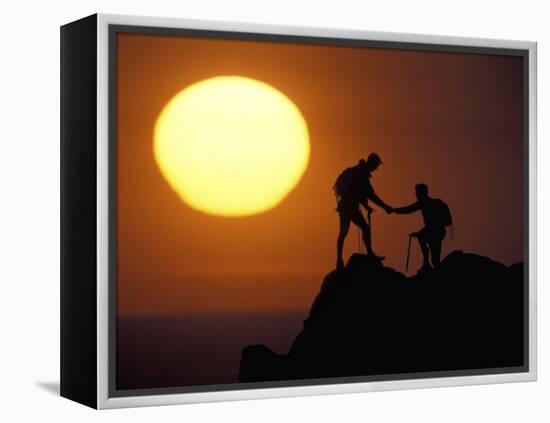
x: 437, y: 217
x: 353, y: 188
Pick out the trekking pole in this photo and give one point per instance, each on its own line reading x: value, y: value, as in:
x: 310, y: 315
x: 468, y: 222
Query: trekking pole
x: 408, y: 254
x: 369, y: 221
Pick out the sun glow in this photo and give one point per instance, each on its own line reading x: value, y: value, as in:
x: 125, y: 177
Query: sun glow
x: 231, y: 146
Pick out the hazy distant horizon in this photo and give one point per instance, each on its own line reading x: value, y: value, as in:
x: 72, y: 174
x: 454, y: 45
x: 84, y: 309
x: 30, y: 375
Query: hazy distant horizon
x: 164, y: 351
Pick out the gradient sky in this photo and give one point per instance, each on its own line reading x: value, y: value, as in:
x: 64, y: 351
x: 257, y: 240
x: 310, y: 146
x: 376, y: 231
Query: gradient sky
x: 453, y: 121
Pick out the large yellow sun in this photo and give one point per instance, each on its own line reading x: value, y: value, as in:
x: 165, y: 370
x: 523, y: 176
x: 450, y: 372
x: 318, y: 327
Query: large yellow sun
x: 231, y: 146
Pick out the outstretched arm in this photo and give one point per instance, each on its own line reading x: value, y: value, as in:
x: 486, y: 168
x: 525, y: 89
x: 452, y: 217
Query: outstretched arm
x: 378, y: 201
x: 414, y: 207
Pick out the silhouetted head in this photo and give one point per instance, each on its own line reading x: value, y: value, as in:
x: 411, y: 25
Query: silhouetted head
x: 421, y: 191
x: 373, y: 161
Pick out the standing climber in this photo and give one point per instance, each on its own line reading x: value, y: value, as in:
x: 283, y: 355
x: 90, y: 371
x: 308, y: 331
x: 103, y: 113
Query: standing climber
x: 353, y: 188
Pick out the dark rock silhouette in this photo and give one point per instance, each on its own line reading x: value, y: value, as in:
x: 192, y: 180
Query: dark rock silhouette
x: 369, y: 319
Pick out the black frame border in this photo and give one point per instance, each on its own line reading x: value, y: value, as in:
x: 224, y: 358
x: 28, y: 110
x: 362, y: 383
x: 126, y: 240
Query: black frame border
x: 78, y: 211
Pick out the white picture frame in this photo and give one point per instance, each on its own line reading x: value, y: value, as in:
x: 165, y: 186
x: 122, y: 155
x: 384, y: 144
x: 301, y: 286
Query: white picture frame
x: 103, y: 365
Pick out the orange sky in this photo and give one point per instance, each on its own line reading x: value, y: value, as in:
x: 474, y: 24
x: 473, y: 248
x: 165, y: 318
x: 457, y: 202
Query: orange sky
x: 453, y: 121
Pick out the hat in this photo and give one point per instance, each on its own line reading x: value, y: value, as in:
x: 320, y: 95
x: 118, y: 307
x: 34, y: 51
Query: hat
x: 374, y: 158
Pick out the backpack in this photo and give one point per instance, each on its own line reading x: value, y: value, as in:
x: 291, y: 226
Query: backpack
x: 349, y: 181
x: 441, y: 213
x: 344, y: 182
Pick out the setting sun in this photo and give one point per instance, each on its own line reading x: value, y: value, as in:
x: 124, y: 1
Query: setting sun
x: 231, y: 146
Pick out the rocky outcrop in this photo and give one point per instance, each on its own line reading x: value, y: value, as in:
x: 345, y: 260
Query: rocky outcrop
x: 369, y: 319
